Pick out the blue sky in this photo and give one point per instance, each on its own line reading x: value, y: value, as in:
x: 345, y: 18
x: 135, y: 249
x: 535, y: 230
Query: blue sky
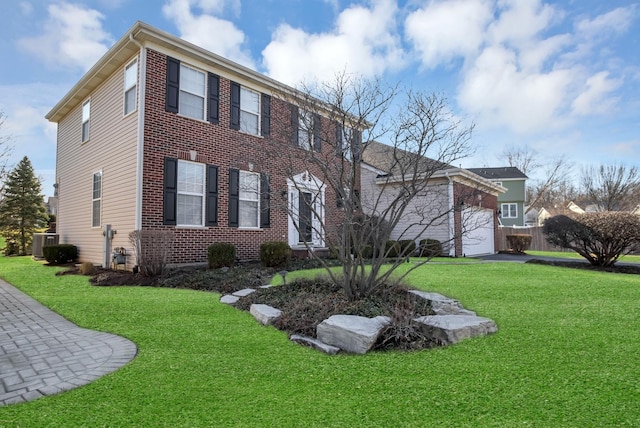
x: 559, y: 77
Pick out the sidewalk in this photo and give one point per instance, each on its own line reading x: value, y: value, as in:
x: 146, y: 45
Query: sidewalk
x: 41, y: 353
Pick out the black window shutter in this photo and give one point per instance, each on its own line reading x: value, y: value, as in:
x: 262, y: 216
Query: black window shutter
x: 339, y: 142
x: 212, y: 196
x: 235, y: 105
x: 317, y: 133
x: 214, y: 98
x: 234, y: 197
x: 265, y: 206
x: 357, y: 144
x: 170, y: 191
x: 265, y: 124
x: 295, y: 124
x: 173, y: 85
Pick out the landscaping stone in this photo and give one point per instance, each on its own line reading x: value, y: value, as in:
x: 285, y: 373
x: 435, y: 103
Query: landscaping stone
x: 244, y: 292
x: 315, y: 343
x: 229, y: 299
x: 351, y: 333
x: 265, y: 314
x: 450, y: 329
x: 442, y: 305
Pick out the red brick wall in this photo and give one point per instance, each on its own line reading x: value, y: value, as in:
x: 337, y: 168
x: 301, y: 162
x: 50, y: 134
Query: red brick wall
x: 166, y: 134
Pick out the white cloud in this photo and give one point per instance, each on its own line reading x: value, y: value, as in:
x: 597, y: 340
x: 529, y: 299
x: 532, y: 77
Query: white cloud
x: 72, y: 37
x: 596, y: 97
x: 364, y: 41
x: 615, y: 22
x: 442, y: 31
x: 210, y: 32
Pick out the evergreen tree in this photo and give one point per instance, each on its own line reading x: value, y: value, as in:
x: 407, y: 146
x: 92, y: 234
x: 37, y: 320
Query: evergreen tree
x: 22, y: 208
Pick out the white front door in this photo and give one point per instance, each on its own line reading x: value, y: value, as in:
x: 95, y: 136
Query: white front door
x: 306, y: 211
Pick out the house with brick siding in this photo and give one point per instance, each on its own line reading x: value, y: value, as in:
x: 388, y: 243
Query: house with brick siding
x: 162, y: 135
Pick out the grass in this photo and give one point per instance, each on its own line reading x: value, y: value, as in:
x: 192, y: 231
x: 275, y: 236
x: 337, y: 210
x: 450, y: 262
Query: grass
x: 629, y: 258
x: 565, y: 355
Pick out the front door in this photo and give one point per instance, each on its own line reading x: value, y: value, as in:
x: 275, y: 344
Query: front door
x: 305, y: 218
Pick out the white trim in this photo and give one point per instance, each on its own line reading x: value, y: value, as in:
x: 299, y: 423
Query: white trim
x: 94, y: 199
x: 202, y: 194
x: 258, y: 114
x: 87, y: 121
x: 126, y: 88
x: 142, y: 70
x: 204, y: 91
x: 256, y: 200
x: 508, y: 210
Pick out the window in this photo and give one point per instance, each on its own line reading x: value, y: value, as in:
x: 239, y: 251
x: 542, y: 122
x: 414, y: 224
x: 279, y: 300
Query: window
x: 509, y: 210
x: 249, y: 111
x: 86, y: 115
x: 130, y: 87
x: 96, y: 205
x: 192, y: 92
x: 305, y: 130
x: 347, y: 142
x: 190, y: 198
x: 249, y: 199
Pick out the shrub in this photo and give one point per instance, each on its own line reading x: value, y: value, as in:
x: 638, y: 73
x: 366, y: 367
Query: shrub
x: 221, y: 254
x: 392, y: 249
x: 430, y: 248
x: 601, y: 238
x: 87, y: 268
x: 60, y: 254
x: 519, y: 243
x: 151, y: 248
x: 275, y: 254
x: 407, y: 247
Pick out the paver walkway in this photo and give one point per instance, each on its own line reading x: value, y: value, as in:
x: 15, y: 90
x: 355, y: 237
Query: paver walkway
x: 41, y: 353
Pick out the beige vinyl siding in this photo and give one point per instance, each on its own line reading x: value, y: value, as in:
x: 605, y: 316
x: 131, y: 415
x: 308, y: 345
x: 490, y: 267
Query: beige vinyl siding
x: 425, y: 216
x: 111, y: 149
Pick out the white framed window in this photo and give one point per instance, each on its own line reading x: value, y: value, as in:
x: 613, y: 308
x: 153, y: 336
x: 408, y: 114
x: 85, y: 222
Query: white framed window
x: 86, y: 116
x: 305, y: 129
x: 509, y: 210
x: 249, y: 111
x: 96, y: 200
x: 191, y: 189
x: 131, y: 87
x: 249, y: 200
x: 192, y: 92
x: 347, y: 141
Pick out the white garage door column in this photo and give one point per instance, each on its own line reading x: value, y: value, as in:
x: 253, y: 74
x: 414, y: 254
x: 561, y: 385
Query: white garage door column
x: 478, y: 236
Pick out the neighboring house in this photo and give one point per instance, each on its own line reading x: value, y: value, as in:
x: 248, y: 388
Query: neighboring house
x: 162, y: 135
x: 459, y: 207
x: 548, y: 212
x: 511, y: 203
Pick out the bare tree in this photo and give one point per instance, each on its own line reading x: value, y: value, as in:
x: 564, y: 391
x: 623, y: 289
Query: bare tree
x: 5, y: 150
x: 556, y: 174
x: 611, y: 187
x: 423, y: 137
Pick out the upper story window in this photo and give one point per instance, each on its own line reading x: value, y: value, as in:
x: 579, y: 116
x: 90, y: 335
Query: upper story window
x: 190, y: 198
x: 96, y: 200
x: 305, y: 129
x: 130, y: 87
x: 249, y: 111
x: 86, y: 116
x: 192, y: 92
x: 509, y: 210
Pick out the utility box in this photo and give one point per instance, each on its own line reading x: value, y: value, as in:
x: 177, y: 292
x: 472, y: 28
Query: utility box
x: 42, y: 239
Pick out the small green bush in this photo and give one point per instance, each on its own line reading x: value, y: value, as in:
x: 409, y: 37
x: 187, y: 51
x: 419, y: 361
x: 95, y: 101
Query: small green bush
x: 407, y: 247
x: 221, y: 254
x: 275, y: 254
x: 519, y: 243
x: 430, y: 248
x: 392, y: 249
x: 60, y: 253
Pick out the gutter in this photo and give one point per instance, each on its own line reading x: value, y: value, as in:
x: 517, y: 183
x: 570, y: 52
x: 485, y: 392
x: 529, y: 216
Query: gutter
x: 450, y: 218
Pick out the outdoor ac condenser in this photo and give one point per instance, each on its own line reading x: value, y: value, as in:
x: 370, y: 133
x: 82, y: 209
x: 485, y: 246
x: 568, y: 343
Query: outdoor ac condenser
x: 42, y: 239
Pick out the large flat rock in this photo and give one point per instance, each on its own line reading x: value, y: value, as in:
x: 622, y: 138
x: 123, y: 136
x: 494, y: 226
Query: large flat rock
x: 265, y: 314
x: 442, y: 305
x: 449, y: 329
x: 351, y: 333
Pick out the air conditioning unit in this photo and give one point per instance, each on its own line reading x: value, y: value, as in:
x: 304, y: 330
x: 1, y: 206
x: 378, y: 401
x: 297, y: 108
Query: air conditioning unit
x: 42, y: 239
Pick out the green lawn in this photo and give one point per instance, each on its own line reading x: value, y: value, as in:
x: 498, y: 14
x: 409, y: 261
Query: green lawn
x: 572, y: 255
x: 566, y: 354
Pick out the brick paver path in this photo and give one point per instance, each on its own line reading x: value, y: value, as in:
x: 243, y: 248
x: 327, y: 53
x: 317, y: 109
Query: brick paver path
x: 41, y: 353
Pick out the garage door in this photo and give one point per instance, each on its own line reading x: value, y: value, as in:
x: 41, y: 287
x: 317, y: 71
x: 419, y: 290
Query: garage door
x: 478, y: 233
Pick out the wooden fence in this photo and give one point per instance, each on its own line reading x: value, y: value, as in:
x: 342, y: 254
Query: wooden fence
x: 538, y: 241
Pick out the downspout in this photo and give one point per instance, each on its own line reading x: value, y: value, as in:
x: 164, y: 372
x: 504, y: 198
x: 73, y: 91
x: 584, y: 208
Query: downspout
x: 452, y: 232
x: 142, y: 70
